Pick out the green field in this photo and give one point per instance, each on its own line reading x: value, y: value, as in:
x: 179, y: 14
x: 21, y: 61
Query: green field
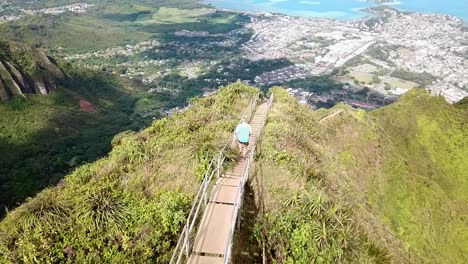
x: 68, y: 32
x: 361, y: 76
x: 167, y: 15
x: 114, y: 25
x: 396, y: 82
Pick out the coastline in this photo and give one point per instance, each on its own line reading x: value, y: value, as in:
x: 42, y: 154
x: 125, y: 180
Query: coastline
x: 360, y: 13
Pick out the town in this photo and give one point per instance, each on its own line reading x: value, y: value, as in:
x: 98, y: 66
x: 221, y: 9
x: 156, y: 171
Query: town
x: 74, y: 8
x: 419, y: 44
x: 389, y: 54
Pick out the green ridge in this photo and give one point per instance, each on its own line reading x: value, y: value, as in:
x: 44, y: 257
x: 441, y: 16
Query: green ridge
x: 129, y: 206
x: 397, y: 176
x: 329, y: 186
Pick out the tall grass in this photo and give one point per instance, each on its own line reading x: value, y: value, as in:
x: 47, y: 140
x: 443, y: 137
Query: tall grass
x: 300, y: 219
x: 364, y: 187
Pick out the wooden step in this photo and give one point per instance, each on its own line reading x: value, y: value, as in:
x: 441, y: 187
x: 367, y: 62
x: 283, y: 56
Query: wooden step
x: 224, y: 194
x: 195, y: 259
x: 213, y: 233
x: 228, y: 181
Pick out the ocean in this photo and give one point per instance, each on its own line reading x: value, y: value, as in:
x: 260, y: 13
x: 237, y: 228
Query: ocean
x: 343, y: 9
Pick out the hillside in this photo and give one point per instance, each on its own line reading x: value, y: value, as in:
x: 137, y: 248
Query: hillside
x: 345, y: 184
x: 26, y: 71
x: 329, y: 186
x: 129, y: 206
x: 55, y: 116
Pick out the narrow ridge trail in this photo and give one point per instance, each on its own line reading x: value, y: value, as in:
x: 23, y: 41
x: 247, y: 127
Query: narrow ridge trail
x: 214, y: 236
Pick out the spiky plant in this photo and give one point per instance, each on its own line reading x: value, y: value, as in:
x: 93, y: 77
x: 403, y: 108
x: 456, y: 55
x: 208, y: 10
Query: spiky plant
x: 103, y: 207
x: 45, y: 210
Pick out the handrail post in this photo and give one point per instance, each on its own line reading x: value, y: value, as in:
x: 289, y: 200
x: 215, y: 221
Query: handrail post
x: 219, y: 166
x: 205, y: 193
x: 238, y: 218
x: 187, y: 239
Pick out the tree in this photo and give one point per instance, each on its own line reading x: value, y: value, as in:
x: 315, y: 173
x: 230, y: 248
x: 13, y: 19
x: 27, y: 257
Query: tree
x: 387, y: 87
x: 375, y: 79
x: 4, y: 50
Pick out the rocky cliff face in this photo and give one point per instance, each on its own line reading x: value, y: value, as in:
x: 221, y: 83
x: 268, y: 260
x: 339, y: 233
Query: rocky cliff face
x: 27, y: 71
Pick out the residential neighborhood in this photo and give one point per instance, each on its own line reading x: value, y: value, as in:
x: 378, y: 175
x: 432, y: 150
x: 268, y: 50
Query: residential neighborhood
x: 418, y: 43
x: 74, y: 8
x: 391, y: 55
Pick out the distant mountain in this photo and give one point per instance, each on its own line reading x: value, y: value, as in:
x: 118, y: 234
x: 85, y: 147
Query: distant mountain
x: 25, y: 70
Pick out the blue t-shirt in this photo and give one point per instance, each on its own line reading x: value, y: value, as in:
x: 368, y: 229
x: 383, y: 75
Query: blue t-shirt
x: 243, y: 132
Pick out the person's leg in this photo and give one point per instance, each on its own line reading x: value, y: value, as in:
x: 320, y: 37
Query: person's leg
x: 240, y: 147
x: 245, y: 150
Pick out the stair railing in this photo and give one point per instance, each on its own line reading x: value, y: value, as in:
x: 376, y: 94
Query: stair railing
x: 235, y: 217
x: 215, y: 167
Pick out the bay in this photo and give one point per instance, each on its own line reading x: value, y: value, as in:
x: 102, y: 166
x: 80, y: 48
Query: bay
x: 343, y: 9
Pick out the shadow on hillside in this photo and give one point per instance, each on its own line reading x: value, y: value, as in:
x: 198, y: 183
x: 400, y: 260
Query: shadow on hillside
x: 71, y: 137
x: 246, y: 248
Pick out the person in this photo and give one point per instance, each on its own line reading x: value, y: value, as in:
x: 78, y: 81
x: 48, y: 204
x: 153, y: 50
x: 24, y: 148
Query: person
x: 243, y: 133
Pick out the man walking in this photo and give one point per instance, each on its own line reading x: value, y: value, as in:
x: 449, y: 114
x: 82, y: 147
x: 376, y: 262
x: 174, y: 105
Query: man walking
x: 243, y: 133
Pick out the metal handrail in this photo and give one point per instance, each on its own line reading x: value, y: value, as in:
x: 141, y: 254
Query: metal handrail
x: 215, y: 166
x: 235, y: 217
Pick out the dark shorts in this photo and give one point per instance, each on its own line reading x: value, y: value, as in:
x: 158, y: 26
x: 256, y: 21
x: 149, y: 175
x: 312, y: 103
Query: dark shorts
x: 244, y: 143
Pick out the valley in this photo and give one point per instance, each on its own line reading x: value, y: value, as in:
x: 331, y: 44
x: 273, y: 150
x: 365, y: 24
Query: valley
x: 384, y: 56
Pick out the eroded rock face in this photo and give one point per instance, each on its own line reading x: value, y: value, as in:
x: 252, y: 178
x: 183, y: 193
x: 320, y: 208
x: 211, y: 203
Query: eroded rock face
x: 40, y: 78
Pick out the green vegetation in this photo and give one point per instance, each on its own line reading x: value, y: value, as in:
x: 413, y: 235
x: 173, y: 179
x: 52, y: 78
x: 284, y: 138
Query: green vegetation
x: 381, y: 51
x: 399, y: 168
x: 425, y: 200
x: 209, y: 21
x: 47, y: 136
x: 4, y: 50
x: 396, y: 82
x: 37, y: 4
x: 125, y: 12
x: 54, y: 135
x: 338, y: 185
x: 423, y: 79
x: 243, y: 69
x: 362, y: 187
x: 167, y: 15
x: 18, y: 54
x: 67, y: 31
x: 220, y: 74
x: 129, y: 206
x: 298, y: 220
x: 117, y: 24
x: 362, y: 77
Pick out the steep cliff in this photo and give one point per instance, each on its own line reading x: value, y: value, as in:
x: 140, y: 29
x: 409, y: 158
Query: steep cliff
x: 25, y: 70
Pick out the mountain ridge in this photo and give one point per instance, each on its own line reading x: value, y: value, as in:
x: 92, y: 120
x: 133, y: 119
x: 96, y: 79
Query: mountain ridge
x: 25, y: 70
x: 380, y: 200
